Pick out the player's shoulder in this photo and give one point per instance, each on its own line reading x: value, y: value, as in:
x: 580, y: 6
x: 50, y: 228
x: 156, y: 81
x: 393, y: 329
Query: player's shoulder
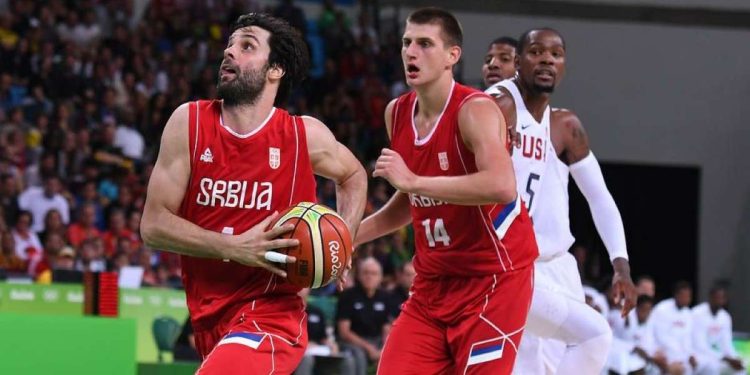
x: 315, y: 129
x: 700, y: 308
x: 179, y: 120
x: 665, y: 305
x: 564, y: 116
x: 567, y: 119
x: 477, y: 105
x: 310, y: 121
x: 469, y: 98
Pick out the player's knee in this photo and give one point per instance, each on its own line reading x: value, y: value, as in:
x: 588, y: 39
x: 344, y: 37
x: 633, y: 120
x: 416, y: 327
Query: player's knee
x: 604, y: 331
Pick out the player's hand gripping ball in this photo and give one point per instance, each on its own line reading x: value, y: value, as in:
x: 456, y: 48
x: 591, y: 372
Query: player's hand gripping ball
x: 325, y: 244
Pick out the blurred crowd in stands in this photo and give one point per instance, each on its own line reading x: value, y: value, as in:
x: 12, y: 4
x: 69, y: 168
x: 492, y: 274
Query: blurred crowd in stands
x: 87, y: 86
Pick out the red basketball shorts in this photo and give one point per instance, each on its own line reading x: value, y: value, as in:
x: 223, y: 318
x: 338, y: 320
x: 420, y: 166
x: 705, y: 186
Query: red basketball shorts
x: 460, y: 325
x: 267, y: 336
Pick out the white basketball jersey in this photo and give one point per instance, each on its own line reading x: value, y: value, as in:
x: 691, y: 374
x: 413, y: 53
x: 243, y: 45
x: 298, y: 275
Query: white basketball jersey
x: 529, y: 160
x: 541, y: 177
x: 552, y: 220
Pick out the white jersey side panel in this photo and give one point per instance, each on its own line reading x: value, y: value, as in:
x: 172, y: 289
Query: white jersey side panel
x: 530, y: 159
x: 552, y: 220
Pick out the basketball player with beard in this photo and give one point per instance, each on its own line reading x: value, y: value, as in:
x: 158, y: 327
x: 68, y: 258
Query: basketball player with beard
x: 224, y: 170
x: 551, y: 144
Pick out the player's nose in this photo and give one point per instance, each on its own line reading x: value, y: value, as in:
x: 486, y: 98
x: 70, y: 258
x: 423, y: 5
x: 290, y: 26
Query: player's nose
x: 228, y: 53
x: 493, y: 64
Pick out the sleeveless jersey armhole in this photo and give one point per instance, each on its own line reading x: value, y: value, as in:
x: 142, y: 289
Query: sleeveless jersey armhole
x: 393, y: 119
x: 193, y: 131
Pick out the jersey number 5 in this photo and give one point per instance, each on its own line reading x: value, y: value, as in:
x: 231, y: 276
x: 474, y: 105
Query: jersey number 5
x: 438, y: 234
x: 529, y: 190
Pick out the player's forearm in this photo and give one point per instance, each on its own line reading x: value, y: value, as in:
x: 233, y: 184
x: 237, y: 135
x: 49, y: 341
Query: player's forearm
x: 167, y: 231
x: 351, y: 198
x: 477, y: 188
x: 588, y: 176
x: 391, y: 217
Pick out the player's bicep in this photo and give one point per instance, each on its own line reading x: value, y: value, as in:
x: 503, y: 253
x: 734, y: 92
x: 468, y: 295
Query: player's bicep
x: 169, y: 178
x: 483, y: 131
x: 328, y: 157
x: 576, y: 139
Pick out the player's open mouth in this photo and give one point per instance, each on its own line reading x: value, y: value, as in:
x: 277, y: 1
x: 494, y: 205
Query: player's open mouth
x: 226, y: 69
x: 411, y: 71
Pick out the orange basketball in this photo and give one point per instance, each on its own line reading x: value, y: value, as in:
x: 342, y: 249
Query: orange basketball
x: 325, y: 244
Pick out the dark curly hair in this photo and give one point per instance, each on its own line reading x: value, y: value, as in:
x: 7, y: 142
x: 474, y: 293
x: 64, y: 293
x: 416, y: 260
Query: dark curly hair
x: 288, y: 50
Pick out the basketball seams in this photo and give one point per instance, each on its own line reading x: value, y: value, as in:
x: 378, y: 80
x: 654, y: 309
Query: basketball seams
x: 310, y: 231
x: 291, y: 232
x: 341, y: 238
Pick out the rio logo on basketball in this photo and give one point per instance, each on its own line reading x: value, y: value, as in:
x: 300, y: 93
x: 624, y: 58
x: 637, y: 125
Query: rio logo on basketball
x: 325, y: 244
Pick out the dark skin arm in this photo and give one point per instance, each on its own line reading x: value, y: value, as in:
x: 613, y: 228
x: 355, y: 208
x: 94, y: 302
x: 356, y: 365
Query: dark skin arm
x: 572, y: 145
x: 508, y: 107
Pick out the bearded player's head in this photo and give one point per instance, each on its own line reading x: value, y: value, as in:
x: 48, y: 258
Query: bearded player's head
x: 264, y: 56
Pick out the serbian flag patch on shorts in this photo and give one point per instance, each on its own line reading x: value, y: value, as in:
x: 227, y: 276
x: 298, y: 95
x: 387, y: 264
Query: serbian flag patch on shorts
x: 486, y: 352
x: 252, y: 340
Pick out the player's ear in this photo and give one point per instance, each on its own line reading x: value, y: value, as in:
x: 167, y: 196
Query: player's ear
x: 517, y: 61
x: 275, y: 72
x: 454, y: 54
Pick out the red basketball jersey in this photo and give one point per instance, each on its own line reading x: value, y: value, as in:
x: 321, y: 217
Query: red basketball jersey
x: 457, y: 240
x: 235, y: 182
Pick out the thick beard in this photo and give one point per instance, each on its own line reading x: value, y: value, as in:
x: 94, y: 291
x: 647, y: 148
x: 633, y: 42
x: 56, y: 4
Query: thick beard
x: 245, y: 89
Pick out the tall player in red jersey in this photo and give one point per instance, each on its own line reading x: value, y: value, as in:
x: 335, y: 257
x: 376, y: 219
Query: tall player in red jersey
x: 225, y: 167
x: 475, y: 246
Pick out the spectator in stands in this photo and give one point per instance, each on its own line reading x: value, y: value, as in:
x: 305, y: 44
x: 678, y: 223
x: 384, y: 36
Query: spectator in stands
x: 65, y: 260
x: 129, y: 140
x: 39, y: 201
x: 117, y: 228
x: 672, y: 328
x: 9, y: 197
x: 321, y: 343
x: 712, y: 335
x: 85, y: 227
x: 92, y: 256
x: 9, y: 261
x: 404, y: 279
x: 54, y: 243
x: 27, y: 242
x: 645, y: 285
x: 52, y: 224
x: 88, y: 195
x: 36, y: 173
x: 362, y: 315
x: 292, y: 14
x: 633, y: 347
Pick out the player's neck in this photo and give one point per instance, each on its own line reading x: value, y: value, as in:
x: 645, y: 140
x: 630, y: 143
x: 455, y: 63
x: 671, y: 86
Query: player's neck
x: 432, y: 96
x: 245, y: 118
x: 535, y: 102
